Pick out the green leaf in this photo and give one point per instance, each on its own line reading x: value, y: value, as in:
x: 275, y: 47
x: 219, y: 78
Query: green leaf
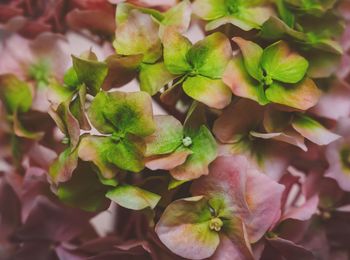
x: 210, y: 56
x: 132, y: 197
x: 212, y: 92
x: 282, y: 64
x: 204, y: 150
x: 188, y: 219
x: 251, y: 56
x: 90, y: 72
x: 138, y: 34
x: 167, y: 137
x: 303, y: 95
x: 153, y: 77
x: 176, y: 48
x: 84, y: 190
x: 122, y: 112
x: 15, y: 94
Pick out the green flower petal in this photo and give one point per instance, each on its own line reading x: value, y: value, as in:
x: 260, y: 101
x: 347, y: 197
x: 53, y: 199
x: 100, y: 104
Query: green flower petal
x: 77, y: 107
x: 210, y: 56
x: 253, y: 17
x: 122, y: 112
x: 274, y: 29
x: 313, y: 130
x: 138, y: 35
x: 132, y: 197
x: 167, y: 137
x: 212, y: 92
x: 126, y: 154
x: 209, y: 9
x: 84, y: 191
x: 241, y: 83
x: 204, y: 150
x: 184, y: 228
x: 66, y: 122
x: 62, y: 168
x: 251, y: 55
x: 301, y: 96
x: 177, y: 17
x: 94, y: 149
x: 70, y: 78
x: 15, y: 94
x: 121, y: 70
x: 282, y: 64
x: 90, y: 72
x: 153, y: 77
x: 176, y: 48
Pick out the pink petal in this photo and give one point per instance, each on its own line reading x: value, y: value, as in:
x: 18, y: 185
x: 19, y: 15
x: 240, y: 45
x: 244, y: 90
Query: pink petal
x: 167, y: 162
x: 238, y: 118
x: 254, y: 196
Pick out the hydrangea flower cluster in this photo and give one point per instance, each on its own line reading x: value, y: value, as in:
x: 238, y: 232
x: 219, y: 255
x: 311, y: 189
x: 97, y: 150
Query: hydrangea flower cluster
x: 249, y: 159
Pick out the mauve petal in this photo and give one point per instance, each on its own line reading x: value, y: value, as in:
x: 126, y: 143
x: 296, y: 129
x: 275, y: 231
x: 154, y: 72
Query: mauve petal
x: 53, y: 222
x: 34, y: 250
x: 10, y: 216
x: 97, y: 21
x: 336, y: 98
x: 238, y: 118
x: 252, y: 195
x: 290, y: 250
x: 228, y: 250
x: 303, y: 212
x: 336, y: 170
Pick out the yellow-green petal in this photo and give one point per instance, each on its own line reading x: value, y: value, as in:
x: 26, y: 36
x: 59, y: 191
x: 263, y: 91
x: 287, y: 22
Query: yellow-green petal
x: 303, y: 95
x: 212, y: 92
x: 132, y: 197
